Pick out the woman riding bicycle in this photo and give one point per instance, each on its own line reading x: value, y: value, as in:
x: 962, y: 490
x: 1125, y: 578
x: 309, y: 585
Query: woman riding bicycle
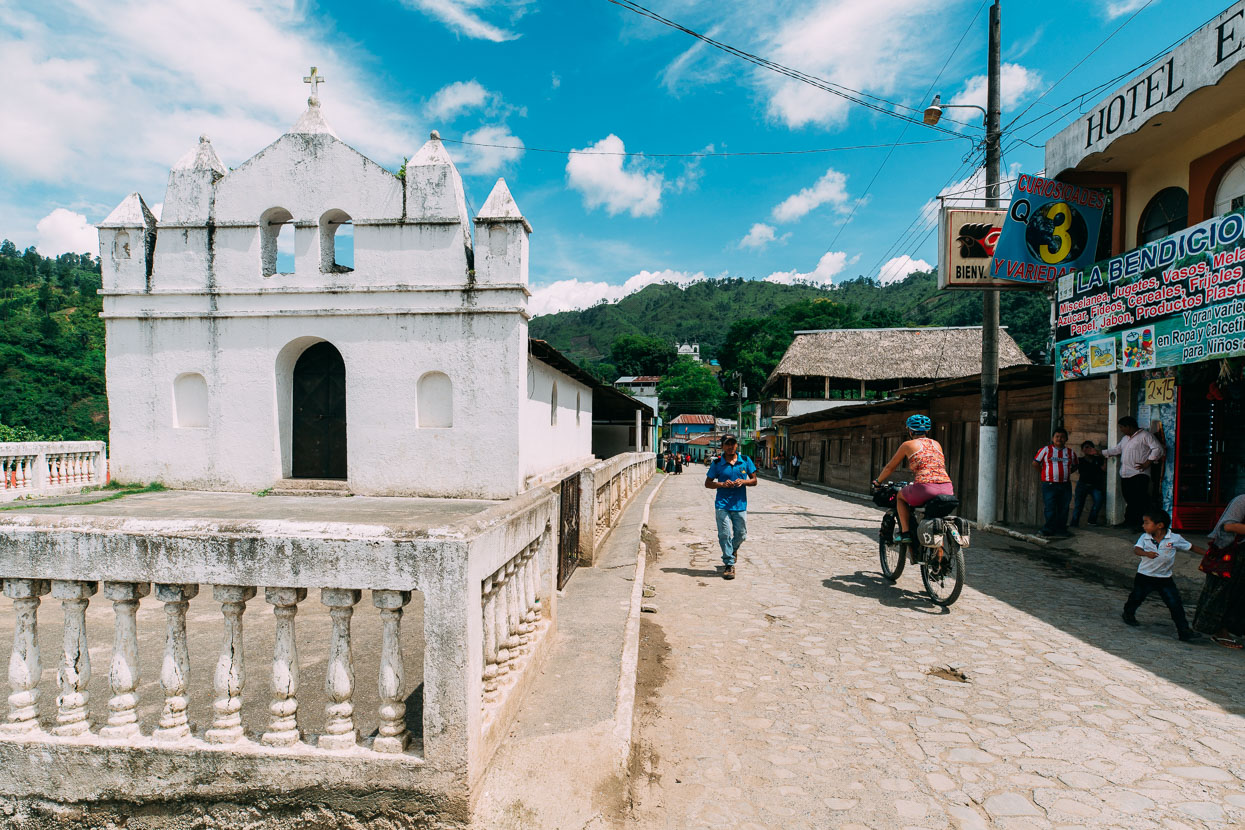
x: 929, y: 466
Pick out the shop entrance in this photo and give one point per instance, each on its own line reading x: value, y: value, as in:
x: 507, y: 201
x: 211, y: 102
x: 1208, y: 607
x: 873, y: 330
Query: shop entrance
x: 1210, y: 451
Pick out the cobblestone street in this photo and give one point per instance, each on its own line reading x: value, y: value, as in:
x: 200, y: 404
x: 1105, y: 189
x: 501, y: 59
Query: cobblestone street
x: 812, y: 693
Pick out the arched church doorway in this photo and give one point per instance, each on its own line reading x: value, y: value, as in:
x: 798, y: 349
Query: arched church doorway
x: 319, y: 410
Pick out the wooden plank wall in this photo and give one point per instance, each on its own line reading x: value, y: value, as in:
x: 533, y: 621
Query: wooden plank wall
x: 869, y: 441
x: 1085, y: 411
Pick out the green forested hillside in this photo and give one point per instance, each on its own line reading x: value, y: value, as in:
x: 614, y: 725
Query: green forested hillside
x: 704, y: 313
x: 51, y: 346
x: 700, y: 313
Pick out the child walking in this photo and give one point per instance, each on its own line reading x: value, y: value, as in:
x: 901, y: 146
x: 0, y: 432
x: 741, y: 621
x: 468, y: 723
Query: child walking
x: 1157, y: 548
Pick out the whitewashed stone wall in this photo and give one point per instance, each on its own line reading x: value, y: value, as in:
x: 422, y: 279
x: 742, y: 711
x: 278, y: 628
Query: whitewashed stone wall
x: 195, y: 293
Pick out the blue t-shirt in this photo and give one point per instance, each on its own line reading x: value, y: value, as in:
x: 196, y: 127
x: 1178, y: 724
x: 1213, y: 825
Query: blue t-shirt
x: 731, y: 498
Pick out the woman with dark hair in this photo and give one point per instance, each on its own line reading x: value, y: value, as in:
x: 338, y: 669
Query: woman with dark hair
x: 1221, y: 607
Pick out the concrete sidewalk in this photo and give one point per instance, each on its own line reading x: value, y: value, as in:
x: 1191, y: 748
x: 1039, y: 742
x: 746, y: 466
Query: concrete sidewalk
x: 563, y: 765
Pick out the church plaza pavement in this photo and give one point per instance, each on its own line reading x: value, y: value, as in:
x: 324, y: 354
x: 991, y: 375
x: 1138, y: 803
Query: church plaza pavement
x: 800, y: 695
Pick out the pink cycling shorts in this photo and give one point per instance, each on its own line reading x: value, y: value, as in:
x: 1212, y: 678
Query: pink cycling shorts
x: 917, y: 494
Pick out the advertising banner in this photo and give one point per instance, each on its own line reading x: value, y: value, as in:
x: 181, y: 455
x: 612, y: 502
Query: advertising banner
x: 1051, y: 229
x: 1180, y: 299
x: 966, y: 240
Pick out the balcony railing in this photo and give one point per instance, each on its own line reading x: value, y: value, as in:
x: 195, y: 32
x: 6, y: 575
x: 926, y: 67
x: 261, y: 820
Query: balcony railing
x: 30, y: 469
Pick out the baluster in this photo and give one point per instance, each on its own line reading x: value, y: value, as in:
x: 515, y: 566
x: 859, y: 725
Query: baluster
x: 24, y: 665
x: 339, y: 679
x: 75, y: 461
x: 175, y: 671
x: 391, y: 734
x: 72, y: 717
x: 489, y: 594
x: 123, y: 674
x: 533, y: 581
x: 283, y: 725
x: 527, y: 621
x: 22, y: 473
x: 513, y: 641
x: 230, y: 677
x: 91, y: 458
x: 500, y: 625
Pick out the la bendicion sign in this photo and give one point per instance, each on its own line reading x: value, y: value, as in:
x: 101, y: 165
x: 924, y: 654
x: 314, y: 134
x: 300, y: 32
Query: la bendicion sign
x: 1198, y: 62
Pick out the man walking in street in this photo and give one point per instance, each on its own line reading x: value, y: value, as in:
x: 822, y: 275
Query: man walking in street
x: 730, y: 474
x: 795, y: 467
x: 1056, y: 461
x: 1137, y: 450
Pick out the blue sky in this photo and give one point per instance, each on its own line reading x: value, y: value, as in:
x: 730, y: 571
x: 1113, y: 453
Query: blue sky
x: 102, y: 98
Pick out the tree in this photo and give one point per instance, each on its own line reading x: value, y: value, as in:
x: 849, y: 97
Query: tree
x: 689, y: 387
x: 638, y: 354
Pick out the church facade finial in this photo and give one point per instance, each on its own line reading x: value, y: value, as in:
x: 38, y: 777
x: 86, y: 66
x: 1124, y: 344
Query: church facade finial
x: 315, y: 79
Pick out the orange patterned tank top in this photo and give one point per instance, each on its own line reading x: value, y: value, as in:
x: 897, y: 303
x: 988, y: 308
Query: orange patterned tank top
x: 928, y: 463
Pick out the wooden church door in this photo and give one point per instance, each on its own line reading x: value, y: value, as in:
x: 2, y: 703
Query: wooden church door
x: 319, y: 440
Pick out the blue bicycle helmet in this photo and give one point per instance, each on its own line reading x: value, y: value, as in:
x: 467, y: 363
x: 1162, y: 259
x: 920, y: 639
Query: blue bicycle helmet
x: 920, y: 423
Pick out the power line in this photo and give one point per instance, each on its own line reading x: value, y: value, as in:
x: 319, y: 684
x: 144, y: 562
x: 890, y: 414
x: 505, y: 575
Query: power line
x: 1090, y: 54
x: 698, y: 154
x: 903, y: 132
x: 847, y: 93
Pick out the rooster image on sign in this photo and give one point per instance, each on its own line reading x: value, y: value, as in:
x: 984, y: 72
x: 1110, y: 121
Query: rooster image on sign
x: 977, y: 240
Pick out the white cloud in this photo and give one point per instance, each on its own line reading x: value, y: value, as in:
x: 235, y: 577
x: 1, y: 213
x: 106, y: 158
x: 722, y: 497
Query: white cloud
x: 831, y: 264
x: 65, y: 232
x: 606, y: 181
x: 486, y: 161
x: 761, y: 236
x: 1119, y: 8
x: 900, y: 267
x: 463, y: 16
x: 456, y: 98
x: 830, y: 189
x: 108, y: 96
x: 572, y: 294
x: 1015, y: 82
x: 871, y: 50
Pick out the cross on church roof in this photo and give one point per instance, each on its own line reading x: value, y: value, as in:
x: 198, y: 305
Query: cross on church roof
x: 315, y: 79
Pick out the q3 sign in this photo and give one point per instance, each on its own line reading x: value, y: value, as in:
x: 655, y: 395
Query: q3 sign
x: 1051, y: 229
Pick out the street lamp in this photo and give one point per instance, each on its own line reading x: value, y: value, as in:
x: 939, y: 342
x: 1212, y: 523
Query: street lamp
x: 934, y: 111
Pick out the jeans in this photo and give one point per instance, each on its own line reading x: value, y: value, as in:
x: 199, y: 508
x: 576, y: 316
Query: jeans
x: 1166, y: 586
x: 1056, y: 497
x: 779, y: 466
x: 1085, y: 491
x: 732, y: 531
x: 1136, y: 498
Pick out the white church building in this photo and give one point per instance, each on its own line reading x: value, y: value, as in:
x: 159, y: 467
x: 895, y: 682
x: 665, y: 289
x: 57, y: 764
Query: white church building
x: 407, y: 374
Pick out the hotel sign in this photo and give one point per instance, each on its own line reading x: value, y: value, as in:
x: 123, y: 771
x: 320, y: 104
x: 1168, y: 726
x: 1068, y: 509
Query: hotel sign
x: 1198, y: 62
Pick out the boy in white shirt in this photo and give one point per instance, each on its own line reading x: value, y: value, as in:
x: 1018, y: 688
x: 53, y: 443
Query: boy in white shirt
x: 1157, y: 548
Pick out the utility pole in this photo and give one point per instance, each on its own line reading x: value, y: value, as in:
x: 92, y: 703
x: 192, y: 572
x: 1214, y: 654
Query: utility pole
x: 988, y: 444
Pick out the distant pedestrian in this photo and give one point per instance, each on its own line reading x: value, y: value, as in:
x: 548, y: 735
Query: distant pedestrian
x: 1157, y: 548
x: 1221, y: 607
x: 1055, y: 462
x: 1091, y: 484
x: 730, y: 475
x: 779, y: 463
x: 1138, y: 450
x: 795, y: 467
x: 678, y: 463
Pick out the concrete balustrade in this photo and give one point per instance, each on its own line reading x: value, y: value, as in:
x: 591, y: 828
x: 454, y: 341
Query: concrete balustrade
x: 605, y: 489
x: 484, y: 571
x: 29, y: 469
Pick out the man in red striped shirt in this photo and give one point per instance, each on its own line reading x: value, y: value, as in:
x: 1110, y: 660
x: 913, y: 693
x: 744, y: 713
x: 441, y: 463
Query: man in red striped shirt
x: 1056, y: 461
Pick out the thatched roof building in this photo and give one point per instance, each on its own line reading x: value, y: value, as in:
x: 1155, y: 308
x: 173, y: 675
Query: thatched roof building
x: 889, y: 355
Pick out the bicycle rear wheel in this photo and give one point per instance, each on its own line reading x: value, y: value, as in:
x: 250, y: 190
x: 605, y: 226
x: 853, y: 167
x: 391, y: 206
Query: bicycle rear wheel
x: 944, y: 580
x: 893, y: 555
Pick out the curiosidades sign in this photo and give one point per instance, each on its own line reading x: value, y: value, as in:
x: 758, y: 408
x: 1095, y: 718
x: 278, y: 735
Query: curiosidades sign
x: 1051, y: 229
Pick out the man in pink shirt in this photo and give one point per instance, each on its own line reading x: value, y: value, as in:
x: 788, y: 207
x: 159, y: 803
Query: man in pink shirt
x: 1137, y: 451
